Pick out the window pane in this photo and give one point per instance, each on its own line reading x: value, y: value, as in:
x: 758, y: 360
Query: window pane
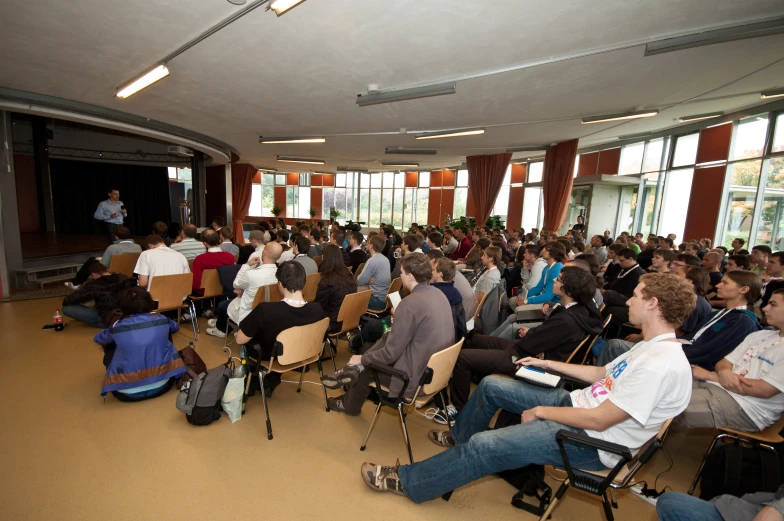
x: 408, y: 209
x: 267, y: 200
x: 535, y: 172
x: 304, y: 202
x: 364, y: 205
x: 649, y: 198
x: 508, y: 175
x: 386, y: 206
x: 771, y: 224
x: 778, y: 135
x: 397, y: 216
x: 340, y: 180
x: 631, y: 159
x: 531, y: 207
x: 676, y: 202
x: 744, y: 179
x: 340, y: 202
x: 350, y: 179
x: 653, y: 155
x: 327, y: 201
x: 351, y: 196
x: 375, y: 180
x: 364, y: 180
x: 255, y: 200
x: 173, y: 172
x: 462, y: 178
x: 461, y: 199
x: 424, y: 179
x: 292, y: 198
x: 628, y: 208
x: 267, y: 179
x: 686, y: 150
x: 400, y: 180
x: 749, y: 138
x: 280, y: 179
x: 502, y: 203
x: 375, y: 209
x: 388, y: 181
x: 423, y: 197
x: 576, y: 165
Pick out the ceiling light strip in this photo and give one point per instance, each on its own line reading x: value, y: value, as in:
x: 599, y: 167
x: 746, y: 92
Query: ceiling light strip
x: 158, y: 72
x: 289, y: 159
x: 281, y: 7
x: 698, y: 117
x: 727, y: 34
x: 392, y: 95
x: 451, y: 133
x: 775, y: 93
x: 620, y: 116
x: 410, y: 151
x: 290, y: 140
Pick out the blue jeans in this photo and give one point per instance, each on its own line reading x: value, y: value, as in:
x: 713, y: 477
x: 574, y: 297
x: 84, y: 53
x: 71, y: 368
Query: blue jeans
x: 83, y: 314
x: 377, y: 303
x: 674, y: 506
x: 479, y: 453
x: 222, y: 314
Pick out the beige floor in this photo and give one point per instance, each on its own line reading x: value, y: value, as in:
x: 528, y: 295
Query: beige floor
x: 66, y: 455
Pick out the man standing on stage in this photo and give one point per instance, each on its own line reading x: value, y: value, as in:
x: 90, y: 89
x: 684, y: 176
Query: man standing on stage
x: 111, y: 212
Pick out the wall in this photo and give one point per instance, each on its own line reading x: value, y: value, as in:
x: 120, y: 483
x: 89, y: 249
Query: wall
x: 603, y: 208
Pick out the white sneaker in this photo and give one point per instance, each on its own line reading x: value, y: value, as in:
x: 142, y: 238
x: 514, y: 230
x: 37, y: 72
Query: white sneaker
x: 441, y: 418
x: 214, y: 331
x: 208, y: 313
x: 211, y: 322
x: 185, y: 317
x: 71, y: 285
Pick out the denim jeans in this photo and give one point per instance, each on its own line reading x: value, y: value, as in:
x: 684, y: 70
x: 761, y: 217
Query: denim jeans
x: 84, y: 314
x: 479, y: 453
x: 674, y: 506
x: 377, y: 303
x: 222, y: 314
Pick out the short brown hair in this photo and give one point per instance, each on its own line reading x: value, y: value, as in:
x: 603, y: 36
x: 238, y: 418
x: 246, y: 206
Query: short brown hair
x: 665, y: 253
x: 750, y: 279
x: 154, y: 239
x: 377, y: 242
x: 226, y: 232
x: 417, y: 265
x: 446, y: 268
x: 160, y: 228
x: 676, y: 296
x: 494, y: 253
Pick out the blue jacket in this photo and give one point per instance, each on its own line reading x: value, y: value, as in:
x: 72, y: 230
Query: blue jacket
x: 543, y: 291
x: 144, y: 354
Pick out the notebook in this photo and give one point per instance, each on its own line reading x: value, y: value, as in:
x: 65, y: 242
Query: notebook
x: 537, y: 376
x: 394, y: 299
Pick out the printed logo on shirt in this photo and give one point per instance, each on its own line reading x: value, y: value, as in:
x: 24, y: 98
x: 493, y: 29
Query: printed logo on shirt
x: 603, y: 387
x: 765, y: 360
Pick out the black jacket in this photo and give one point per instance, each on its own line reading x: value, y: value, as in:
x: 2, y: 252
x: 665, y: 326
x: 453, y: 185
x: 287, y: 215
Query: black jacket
x: 104, y: 291
x: 561, y: 333
x: 357, y: 257
x: 772, y: 286
x: 624, y: 285
x: 331, y: 297
x: 611, y: 273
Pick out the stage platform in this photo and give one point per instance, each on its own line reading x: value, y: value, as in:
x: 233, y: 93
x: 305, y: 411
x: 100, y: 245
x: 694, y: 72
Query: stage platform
x: 42, y: 245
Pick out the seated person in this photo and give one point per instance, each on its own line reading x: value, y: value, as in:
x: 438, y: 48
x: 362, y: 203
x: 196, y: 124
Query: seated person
x: 712, y: 262
x: 249, y: 280
x: 776, y: 276
x: 226, y: 244
x: 759, y: 506
x: 612, y: 267
x: 260, y: 328
x: 682, y: 260
x: 567, y: 325
x: 628, y: 404
x: 356, y: 253
x: 213, y: 258
x: 301, y: 247
x: 141, y: 362
x: 443, y: 279
x: 745, y: 390
x: 463, y: 236
x: 376, y: 275
x: 423, y: 326
x: 123, y: 244
x: 187, y: 244
x: 338, y: 237
x: 491, y: 276
x: 724, y: 330
x: 336, y: 282
x: 102, y: 287
x: 621, y: 289
x: 661, y: 260
x: 738, y: 262
x: 159, y: 259
x: 473, y: 260
x: 410, y: 245
x: 315, y: 243
x: 461, y: 285
x: 554, y: 254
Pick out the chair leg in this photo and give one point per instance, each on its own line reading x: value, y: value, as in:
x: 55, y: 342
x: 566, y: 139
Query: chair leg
x: 266, y: 408
x: 607, y: 508
x: 558, y: 495
x: 370, y: 429
x: 405, y: 432
x: 194, y: 321
x: 323, y: 389
x: 332, y: 349
x: 702, y: 463
x: 301, y: 376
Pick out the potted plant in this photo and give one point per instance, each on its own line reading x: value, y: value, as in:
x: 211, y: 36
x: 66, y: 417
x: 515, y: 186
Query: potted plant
x: 276, y: 210
x: 312, y: 212
x: 334, y: 214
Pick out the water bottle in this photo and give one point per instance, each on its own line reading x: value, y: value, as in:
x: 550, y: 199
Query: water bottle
x: 57, y: 318
x: 241, y: 370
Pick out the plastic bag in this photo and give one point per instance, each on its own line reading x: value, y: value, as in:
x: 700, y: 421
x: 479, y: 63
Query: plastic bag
x: 232, y: 398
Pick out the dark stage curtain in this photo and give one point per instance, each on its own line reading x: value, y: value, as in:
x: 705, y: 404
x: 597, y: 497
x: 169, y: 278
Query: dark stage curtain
x: 78, y: 187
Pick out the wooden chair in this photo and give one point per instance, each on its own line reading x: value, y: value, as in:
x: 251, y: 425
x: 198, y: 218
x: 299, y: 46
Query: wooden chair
x: 393, y: 287
x: 766, y: 439
x: 190, y: 264
x: 295, y: 348
x: 124, y: 263
x: 350, y: 313
x: 171, y: 292
x: 210, y: 283
x: 478, y: 311
x: 311, y: 286
x: 317, y: 259
x: 359, y: 271
x: 587, y: 356
x: 578, y: 349
x: 268, y: 293
x: 433, y: 382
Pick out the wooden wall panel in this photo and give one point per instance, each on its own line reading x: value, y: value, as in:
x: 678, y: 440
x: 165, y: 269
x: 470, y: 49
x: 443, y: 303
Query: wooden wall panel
x: 714, y: 144
x: 515, y: 211
x: 609, y: 161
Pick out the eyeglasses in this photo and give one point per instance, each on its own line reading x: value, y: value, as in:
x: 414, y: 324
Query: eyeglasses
x: 679, y: 264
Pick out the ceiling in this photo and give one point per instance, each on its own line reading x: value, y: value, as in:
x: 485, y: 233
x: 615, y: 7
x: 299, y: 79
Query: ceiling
x: 299, y: 74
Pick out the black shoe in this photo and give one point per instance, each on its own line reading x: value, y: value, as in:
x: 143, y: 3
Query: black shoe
x: 336, y: 404
x: 345, y: 377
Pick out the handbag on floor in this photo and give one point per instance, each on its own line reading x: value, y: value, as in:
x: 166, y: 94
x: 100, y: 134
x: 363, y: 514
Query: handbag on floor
x: 736, y: 470
x: 200, y: 399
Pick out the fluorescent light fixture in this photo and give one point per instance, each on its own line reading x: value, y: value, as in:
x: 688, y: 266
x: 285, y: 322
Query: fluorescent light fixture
x: 451, y: 133
x: 399, y: 164
x: 283, y: 140
x: 283, y: 6
x: 776, y: 93
x: 267, y: 170
x: 635, y: 136
x: 698, y: 117
x: 532, y: 148
x: 728, y: 34
x: 410, y: 151
x: 352, y: 169
x: 391, y: 95
x: 289, y: 159
x: 324, y: 173
x: 620, y: 116
x: 145, y: 80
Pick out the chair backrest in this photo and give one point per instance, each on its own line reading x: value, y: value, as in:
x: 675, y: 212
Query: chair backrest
x: 442, y: 364
x: 311, y: 285
x: 268, y: 293
x: 479, y: 307
x: 190, y: 264
x: 359, y: 271
x: 643, y: 456
x: 170, y: 290
x: 577, y: 349
x: 210, y: 283
x: 353, y: 307
x: 124, y: 263
x: 394, y: 286
x: 302, y: 342
x: 317, y: 260
x: 596, y: 337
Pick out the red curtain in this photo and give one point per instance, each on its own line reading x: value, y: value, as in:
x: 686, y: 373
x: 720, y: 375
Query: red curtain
x: 557, y: 180
x: 485, y: 177
x: 241, y: 181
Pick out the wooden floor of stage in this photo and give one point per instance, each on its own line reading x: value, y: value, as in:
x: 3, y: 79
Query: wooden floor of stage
x: 40, y: 245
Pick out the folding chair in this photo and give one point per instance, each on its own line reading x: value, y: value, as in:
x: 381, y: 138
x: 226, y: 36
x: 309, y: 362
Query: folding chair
x: 124, y: 263
x: 294, y: 348
x: 764, y: 440
x: 577, y: 349
x: 311, y: 286
x: 350, y: 313
x: 393, y: 287
x: 171, y: 292
x: 268, y: 293
x: 472, y: 320
x: 317, y: 259
x: 210, y: 283
x: 433, y: 382
x: 359, y: 271
x: 587, y: 356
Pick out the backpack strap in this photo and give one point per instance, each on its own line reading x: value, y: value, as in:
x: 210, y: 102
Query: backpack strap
x: 733, y: 461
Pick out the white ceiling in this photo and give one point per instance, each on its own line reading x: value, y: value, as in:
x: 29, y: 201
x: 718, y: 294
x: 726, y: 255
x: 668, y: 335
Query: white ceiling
x: 299, y: 74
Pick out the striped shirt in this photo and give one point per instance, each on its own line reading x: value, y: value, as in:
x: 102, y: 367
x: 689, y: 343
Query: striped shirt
x: 190, y: 248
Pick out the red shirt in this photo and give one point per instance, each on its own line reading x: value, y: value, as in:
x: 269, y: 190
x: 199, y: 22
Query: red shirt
x: 462, y: 251
x: 208, y: 261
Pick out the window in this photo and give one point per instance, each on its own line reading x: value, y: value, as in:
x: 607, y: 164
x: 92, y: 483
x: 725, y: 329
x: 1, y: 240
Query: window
x: 461, y: 194
x: 647, y: 225
x: 262, y: 196
x: 533, y: 209
x: 778, y: 135
x: 341, y: 197
x: 501, y: 206
x: 749, y: 138
x: 743, y: 181
x: 655, y: 150
x: 280, y: 179
x: 631, y: 159
x: 675, y: 205
x: 576, y: 165
x: 535, y: 172
x: 424, y: 179
x: 304, y: 202
x: 770, y: 230
x: 292, y: 201
x: 172, y: 172
x: 686, y: 150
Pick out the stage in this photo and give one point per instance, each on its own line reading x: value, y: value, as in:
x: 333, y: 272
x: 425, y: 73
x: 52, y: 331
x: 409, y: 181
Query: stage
x: 42, y: 245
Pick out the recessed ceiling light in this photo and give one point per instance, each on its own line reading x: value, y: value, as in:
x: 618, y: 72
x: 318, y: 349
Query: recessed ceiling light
x: 451, y: 133
x: 289, y: 159
x: 698, y: 117
x: 727, y: 34
x: 410, y: 151
x: 634, y: 136
x: 281, y: 140
x: 267, y: 170
x: 283, y: 6
x: 775, y: 93
x: 352, y: 169
x: 620, y: 116
x: 388, y: 96
x: 399, y: 164
x: 145, y: 80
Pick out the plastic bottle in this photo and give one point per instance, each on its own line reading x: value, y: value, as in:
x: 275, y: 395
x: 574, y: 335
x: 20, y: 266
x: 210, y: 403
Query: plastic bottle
x: 241, y: 370
x: 57, y: 318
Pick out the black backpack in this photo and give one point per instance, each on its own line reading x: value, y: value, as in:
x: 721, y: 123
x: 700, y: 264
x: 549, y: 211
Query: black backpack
x: 200, y: 399
x: 733, y: 469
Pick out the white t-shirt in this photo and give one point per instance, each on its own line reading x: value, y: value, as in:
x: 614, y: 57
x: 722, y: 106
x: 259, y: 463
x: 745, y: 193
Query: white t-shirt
x: 286, y: 256
x: 160, y: 261
x: 756, y: 358
x: 250, y: 279
x: 257, y: 252
x: 651, y: 383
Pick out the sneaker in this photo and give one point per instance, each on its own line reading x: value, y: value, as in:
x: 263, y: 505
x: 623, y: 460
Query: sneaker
x: 214, y: 331
x: 212, y: 322
x: 382, y: 479
x: 336, y: 404
x: 443, y: 418
x: 185, y: 317
x: 71, y: 285
x: 208, y: 313
x: 442, y: 438
x: 345, y: 377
